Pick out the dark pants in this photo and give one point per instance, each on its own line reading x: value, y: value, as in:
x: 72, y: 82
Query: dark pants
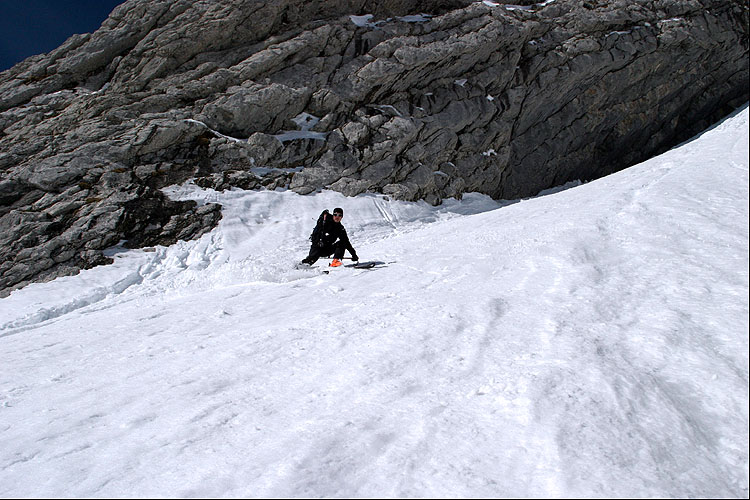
x: 316, y: 252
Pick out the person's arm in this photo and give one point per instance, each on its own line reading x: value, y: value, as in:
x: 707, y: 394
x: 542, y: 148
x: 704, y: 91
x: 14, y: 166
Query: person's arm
x: 348, y: 245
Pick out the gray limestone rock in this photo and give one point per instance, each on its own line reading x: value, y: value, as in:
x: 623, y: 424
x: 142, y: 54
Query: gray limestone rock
x: 422, y: 99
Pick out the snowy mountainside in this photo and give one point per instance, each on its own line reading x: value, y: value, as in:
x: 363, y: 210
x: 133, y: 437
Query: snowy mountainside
x: 262, y: 235
x: 588, y: 342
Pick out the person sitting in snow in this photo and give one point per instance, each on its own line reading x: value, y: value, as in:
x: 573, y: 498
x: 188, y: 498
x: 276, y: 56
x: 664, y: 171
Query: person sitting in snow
x: 329, y: 237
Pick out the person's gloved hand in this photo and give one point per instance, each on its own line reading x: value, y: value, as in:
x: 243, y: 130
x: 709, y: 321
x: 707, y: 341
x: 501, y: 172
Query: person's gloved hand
x: 320, y: 243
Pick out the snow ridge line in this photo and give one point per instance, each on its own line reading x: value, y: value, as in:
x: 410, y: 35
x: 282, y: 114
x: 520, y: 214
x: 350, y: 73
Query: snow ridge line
x: 45, y: 314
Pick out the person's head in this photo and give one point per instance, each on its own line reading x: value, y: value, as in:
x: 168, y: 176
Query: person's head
x: 338, y: 214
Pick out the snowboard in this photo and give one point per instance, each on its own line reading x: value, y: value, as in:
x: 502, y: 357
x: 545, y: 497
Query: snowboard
x: 370, y: 264
x: 325, y: 269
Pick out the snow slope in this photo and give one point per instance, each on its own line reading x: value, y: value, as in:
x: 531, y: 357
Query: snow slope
x: 590, y: 342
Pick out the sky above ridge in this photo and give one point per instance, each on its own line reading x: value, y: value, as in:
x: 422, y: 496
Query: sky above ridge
x: 30, y: 27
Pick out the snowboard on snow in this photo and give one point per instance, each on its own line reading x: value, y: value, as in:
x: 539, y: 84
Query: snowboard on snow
x: 366, y: 265
x: 325, y: 269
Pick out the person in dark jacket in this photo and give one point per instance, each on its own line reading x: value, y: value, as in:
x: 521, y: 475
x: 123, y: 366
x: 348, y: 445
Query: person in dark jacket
x: 329, y: 237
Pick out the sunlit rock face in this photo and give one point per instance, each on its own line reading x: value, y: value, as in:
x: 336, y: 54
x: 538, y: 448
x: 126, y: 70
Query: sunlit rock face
x: 415, y: 100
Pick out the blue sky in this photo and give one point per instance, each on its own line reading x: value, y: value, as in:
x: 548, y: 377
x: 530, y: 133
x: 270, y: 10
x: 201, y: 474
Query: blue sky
x: 29, y: 27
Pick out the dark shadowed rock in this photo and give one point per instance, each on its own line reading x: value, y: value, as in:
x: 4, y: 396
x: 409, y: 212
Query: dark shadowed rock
x: 416, y: 100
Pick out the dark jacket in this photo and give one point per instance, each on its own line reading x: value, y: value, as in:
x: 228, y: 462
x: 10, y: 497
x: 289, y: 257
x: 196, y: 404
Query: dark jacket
x: 327, y: 232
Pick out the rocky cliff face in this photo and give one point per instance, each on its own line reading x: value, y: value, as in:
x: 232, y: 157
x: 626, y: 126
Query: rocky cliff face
x: 416, y: 99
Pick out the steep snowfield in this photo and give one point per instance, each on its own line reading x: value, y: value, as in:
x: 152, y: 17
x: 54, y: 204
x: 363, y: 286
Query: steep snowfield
x: 588, y: 342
